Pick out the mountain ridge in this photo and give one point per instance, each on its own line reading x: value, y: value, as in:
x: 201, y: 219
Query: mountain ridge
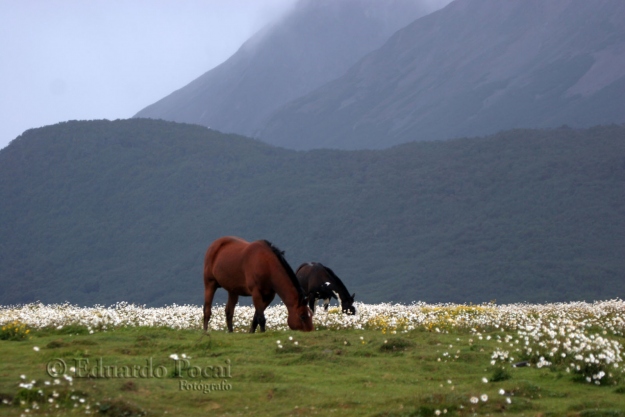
x: 107, y: 211
x: 313, y: 44
x: 471, y: 68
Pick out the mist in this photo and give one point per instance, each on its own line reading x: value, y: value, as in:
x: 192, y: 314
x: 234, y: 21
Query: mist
x: 77, y: 60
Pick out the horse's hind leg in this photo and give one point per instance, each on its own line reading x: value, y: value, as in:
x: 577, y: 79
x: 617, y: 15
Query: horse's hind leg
x: 210, y: 286
x: 232, y: 302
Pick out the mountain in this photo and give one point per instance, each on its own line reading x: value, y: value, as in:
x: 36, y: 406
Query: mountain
x: 107, y: 211
x: 315, y: 43
x: 474, y: 67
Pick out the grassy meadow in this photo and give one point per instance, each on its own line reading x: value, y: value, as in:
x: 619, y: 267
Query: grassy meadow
x: 388, y: 360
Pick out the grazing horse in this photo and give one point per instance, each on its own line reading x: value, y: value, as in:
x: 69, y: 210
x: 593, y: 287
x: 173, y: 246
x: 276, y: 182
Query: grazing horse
x: 321, y: 283
x: 256, y: 269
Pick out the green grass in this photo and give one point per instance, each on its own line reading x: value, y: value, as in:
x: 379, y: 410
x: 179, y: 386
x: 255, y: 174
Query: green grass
x: 326, y: 373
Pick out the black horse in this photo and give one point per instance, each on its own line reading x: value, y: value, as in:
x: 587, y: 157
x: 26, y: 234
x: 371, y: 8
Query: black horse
x: 321, y: 283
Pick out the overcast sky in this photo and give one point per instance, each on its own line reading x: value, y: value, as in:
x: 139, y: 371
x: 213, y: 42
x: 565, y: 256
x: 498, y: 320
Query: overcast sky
x: 106, y: 59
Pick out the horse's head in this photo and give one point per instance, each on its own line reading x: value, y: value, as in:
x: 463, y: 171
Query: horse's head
x: 348, y: 305
x: 300, y: 318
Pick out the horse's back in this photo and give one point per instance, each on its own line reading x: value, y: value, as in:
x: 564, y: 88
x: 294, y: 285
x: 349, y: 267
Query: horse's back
x: 222, y: 248
x: 229, y: 259
x: 311, y: 275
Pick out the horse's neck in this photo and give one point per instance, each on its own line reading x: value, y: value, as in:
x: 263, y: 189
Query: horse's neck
x: 339, y: 290
x: 283, y: 284
x: 287, y: 292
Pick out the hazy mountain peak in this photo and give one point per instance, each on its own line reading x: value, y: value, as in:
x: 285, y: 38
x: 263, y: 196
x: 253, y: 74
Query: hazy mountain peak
x: 313, y: 44
x: 474, y: 67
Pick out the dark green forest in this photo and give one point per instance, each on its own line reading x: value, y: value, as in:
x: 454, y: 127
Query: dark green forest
x: 106, y: 211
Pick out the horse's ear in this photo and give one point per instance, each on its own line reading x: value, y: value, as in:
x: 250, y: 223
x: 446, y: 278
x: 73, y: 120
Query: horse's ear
x: 353, y: 296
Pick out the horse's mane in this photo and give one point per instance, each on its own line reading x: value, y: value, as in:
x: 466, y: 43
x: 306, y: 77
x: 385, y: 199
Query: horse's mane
x: 337, y: 280
x: 289, y: 271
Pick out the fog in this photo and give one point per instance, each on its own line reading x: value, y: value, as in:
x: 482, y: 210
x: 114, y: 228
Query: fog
x: 80, y: 60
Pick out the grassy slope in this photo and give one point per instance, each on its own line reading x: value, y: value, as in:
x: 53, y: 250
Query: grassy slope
x: 322, y: 375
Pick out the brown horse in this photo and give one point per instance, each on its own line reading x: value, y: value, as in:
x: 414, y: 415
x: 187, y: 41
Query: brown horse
x: 256, y: 269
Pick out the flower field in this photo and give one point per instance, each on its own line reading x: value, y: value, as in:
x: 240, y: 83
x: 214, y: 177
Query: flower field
x: 578, y: 336
x: 607, y: 317
x: 434, y: 359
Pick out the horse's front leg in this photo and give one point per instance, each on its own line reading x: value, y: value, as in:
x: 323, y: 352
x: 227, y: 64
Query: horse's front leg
x: 259, y: 319
x: 260, y: 304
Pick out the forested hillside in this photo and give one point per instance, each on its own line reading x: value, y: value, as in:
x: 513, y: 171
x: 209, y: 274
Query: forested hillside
x: 107, y: 211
